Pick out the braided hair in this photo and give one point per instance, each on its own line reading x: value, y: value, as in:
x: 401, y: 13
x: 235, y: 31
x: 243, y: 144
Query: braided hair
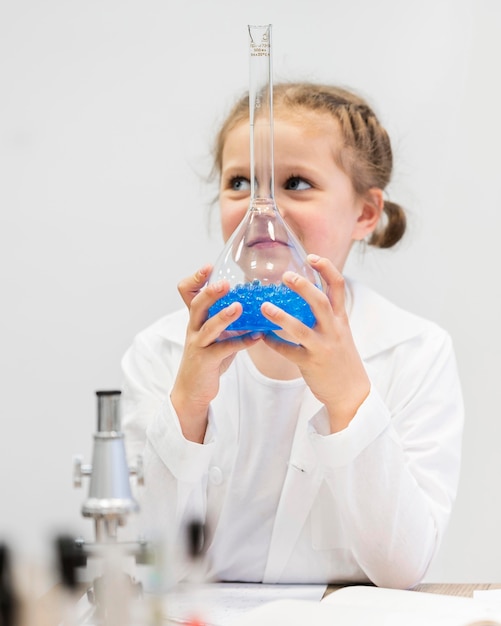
x: 366, y: 156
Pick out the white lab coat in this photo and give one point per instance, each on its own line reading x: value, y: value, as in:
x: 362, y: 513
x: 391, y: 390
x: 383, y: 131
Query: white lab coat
x: 370, y: 503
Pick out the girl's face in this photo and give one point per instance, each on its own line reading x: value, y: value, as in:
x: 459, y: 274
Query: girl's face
x: 313, y: 194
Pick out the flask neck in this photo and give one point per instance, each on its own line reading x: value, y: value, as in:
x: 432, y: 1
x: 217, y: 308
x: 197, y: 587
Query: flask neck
x: 261, y: 114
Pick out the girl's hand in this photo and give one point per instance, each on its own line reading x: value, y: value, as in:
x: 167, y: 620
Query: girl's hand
x: 204, y: 357
x: 325, y: 354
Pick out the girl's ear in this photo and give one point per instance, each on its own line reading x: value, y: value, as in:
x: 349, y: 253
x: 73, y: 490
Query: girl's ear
x: 370, y: 214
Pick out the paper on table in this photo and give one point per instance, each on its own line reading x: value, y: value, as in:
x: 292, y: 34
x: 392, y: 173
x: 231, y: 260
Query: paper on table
x: 359, y: 606
x: 492, y: 597
x: 382, y: 597
x: 220, y: 604
x: 301, y: 613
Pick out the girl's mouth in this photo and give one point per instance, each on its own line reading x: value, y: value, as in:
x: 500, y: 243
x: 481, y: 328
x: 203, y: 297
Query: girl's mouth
x: 265, y: 243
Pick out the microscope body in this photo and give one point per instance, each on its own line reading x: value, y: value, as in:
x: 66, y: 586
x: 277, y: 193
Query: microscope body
x: 110, y: 500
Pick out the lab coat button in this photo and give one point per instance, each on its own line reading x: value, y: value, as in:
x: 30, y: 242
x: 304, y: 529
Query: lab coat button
x: 215, y: 475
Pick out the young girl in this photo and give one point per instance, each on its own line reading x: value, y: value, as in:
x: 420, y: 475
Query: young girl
x: 330, y: 458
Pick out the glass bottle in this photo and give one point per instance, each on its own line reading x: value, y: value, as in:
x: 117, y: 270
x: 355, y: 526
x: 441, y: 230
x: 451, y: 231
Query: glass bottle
x: 263, y: 246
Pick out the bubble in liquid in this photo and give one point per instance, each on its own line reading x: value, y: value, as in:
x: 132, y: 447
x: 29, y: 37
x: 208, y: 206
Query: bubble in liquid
x: 252, y: 295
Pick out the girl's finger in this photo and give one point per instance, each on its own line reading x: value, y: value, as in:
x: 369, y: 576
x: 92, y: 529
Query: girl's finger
x: 334, y: 282
x: 204, y: 299
x: 319, y: 302
x: 296, y: 331
x: 211, y: 328
x: 189, y: 287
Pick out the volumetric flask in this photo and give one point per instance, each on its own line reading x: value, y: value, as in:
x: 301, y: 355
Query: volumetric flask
x: 263, y: 246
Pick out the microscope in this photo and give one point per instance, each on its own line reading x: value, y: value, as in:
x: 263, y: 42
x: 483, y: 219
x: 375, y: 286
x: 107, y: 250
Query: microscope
x: 109, y: 503
x: 110, y: 499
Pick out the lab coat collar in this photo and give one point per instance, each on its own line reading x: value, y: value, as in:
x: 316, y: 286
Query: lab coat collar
x: 376, y: 323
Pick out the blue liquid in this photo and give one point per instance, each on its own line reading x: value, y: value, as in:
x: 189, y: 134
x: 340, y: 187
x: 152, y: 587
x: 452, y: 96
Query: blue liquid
x: 252, y: 296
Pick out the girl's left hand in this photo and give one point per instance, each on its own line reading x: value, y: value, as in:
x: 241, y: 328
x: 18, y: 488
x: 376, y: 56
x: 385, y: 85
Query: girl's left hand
x: 326, y: 354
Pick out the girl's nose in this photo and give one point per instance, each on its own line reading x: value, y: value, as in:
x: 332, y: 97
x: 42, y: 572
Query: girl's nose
x: 282, y: 208
x: 284, y: 213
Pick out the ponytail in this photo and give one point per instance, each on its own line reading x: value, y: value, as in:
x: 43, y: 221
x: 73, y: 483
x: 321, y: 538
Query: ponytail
x: 393, y: 229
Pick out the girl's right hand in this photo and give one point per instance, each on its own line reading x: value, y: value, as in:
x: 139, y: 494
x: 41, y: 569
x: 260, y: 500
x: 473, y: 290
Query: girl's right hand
x: 204, y: 358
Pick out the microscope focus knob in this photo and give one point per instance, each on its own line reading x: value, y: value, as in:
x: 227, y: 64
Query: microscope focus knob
x: 80, y: 470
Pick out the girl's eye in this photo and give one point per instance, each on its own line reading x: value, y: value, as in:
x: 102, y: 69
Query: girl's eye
x: 295, y: 183
x: 239, y: 183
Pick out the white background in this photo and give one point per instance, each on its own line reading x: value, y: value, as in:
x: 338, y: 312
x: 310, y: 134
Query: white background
x: 107, y: 111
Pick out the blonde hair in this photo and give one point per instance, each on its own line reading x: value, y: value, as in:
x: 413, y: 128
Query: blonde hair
x: 366, y: 156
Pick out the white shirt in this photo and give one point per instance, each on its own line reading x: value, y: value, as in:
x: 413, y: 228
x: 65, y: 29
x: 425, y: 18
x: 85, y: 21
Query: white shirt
x: 268, y: 416
x: 370, y: 503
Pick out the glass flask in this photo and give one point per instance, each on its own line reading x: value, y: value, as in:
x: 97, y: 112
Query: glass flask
x: 263, y: 246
